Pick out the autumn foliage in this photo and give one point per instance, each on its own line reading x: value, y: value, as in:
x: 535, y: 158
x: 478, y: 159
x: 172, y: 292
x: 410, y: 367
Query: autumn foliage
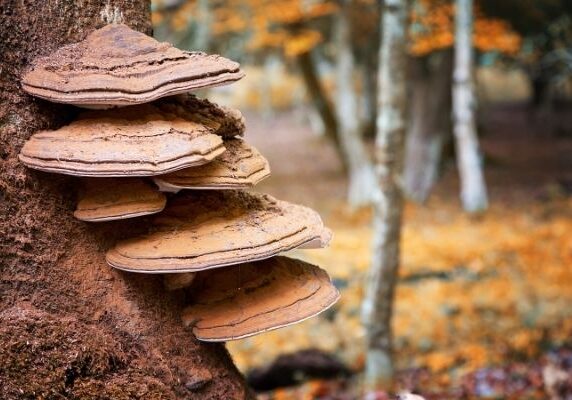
x: 432, y: 29
x: 290, y: 27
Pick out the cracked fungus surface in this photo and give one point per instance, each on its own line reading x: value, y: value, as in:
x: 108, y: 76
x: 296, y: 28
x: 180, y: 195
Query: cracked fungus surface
x: 118, y: 198
x: 208, y: 229
x: 247, y: 299
x: 138, y: 141
x: 118, y: 66
x: 240, y: 166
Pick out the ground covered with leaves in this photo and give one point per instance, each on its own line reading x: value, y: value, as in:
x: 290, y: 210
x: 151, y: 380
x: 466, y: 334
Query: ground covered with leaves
x: 483, y: 302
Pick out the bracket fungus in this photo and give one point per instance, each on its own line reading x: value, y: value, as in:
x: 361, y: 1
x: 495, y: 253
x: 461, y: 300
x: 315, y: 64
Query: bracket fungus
x: 323, y: 238
x: 209, y: 229
x: 117, y: 66
x: 226, y: 122
x: 221, y: 244
x: 137, y: 141
x: 237, y: 302
x: 110, y: 199
x: 241, y: 166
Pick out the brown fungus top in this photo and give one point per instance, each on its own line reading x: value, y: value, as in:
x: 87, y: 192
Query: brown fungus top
x: 133, y: 141
x: 237, y: 302
x: 117, y: 66
x: 109, y: 199
x: 240, y: 166
x: 209, y: 229
x: 228, y: 122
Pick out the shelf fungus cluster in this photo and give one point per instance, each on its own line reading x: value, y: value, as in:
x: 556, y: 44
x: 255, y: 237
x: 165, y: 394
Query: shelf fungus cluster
x: 149, y: 147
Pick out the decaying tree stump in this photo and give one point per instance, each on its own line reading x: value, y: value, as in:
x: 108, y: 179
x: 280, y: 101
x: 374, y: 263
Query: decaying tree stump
x: 70, y: 326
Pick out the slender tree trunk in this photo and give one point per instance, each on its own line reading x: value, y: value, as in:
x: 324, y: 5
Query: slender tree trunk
x: 369, y: 113
x: 321, y: 103
x: 370, y: 58
x: 361, y: 179
x: 204, y: 22
x: 70, y: 326
x: 391, y: 125
x: 430, y: 126
x: 473, y: 189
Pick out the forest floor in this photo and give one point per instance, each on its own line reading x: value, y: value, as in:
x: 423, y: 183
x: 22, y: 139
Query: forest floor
x: 483, y: 303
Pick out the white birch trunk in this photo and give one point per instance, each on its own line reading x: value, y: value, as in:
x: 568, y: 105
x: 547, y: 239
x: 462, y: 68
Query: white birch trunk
x: 204, y: 22
x: 361, y: 178
x: 473, y: 189
x: 391, y: 125
x: 429, y: 123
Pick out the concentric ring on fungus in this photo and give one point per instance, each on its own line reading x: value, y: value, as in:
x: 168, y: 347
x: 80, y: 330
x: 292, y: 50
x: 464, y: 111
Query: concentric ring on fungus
x: 241, y: 166
x: 236, y: 302
x: 109, y: 199
x: 201, y: 230
x: 135, y: 141
x: 117, y: 66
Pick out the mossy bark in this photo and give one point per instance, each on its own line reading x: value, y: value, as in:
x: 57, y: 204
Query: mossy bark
x: 70, y: 326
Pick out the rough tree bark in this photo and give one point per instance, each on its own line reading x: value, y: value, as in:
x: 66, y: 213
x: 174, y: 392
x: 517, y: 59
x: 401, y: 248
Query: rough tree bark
x: 361, y: 179
x: 430, y: 122
x: 391, y: 125
x: 473, y: 189
x: 70, y: 326
x: 320, y: 100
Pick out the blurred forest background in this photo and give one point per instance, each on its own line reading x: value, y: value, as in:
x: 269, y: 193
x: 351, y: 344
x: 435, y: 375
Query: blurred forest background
x: 483, y: 299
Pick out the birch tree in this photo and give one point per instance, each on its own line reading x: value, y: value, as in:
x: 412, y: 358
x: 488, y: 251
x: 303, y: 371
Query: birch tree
x: 204, y: 22
x: 430, y: 122
x: 361, y: 179
x: 473, y: 189
x: 389, y: 142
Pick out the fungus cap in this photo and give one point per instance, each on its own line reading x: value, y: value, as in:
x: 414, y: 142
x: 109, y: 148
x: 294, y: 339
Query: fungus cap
x: 237, y: 302
x: 117, y: 66
x: 241, y: 166
x: 323, y: 239
x: 110, y: 199
x: 201, y: 230
x: 135, y: 141
x: 227, y: 122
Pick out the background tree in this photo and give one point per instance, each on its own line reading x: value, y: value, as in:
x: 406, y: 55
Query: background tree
x: 473, y: 189
x: 361, y: 180
x: 389, y: 141
x: 431, y: 70
x: 70, y: 326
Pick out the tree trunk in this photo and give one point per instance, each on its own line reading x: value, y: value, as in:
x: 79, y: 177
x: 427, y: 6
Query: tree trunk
x: 473, y: 189
x: 361, y: 179
x: 369, y: 57
x: 430, y: 126
x: 321, y: 103
x: 369, y: 100
x: 204, y: 22
x: 70, y: 326
x: 391, y: 125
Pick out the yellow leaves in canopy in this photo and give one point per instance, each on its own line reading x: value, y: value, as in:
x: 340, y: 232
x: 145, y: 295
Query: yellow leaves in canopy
x: 181, y: 19
x: 302, y: 43
x: 291, y: 12
x: 291, y: 44
x: 496, y: 35
x: 433, y: 27
x: 268, y: 40
x: 271, y: 24
x: 234, y: 23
